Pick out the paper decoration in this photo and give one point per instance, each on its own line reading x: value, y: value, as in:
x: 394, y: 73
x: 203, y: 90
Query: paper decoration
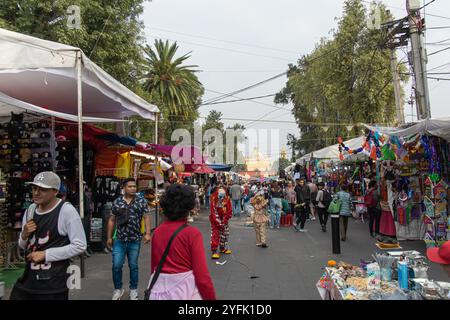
x: 429, y: 207
x: 325, y: 128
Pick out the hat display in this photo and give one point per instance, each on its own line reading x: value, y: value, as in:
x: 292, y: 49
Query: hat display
x: 45, y: 135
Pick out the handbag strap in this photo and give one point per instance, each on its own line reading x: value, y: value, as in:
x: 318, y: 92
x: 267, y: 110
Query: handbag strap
x: 164, y: 256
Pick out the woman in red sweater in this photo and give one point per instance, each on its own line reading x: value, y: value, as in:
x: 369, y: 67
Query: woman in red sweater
x: 184, y: 275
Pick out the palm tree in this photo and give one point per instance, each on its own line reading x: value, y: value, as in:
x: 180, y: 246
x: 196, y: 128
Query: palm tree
x: 175, y: 85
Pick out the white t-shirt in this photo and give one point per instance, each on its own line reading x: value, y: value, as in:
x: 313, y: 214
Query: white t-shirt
x: 69, y: 224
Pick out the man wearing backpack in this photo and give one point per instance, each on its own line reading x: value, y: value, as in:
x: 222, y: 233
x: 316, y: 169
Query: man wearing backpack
x: 52, y: 234
x: 372, y: 201
x: 323, y: 200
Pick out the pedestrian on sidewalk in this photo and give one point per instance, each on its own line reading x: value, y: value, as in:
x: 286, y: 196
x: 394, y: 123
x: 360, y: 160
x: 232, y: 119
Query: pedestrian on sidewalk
x: 220, y: 215
x: 346, y: 210
x: 323, y: 200
x: 303, y: 196
x: 52, y: 234
x: 372, y: 201
x: 127, y: 213
x: 276, y: 194
x: 260, y: 219
x: 184, y: 274
x: 236, y: 193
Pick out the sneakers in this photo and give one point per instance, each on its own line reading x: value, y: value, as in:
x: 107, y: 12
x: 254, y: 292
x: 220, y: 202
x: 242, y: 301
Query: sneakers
x: 215, y: 256
x: 313, y: 218
x: 264, y: 245
x: 303, y: 230
x: 259, y: 244
x: 117, y: 294
x: 228, y: 251
x: 134, y: 294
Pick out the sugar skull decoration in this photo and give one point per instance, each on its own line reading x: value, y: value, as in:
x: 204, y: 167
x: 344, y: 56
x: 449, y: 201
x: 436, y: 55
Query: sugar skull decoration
x: 387, y: 170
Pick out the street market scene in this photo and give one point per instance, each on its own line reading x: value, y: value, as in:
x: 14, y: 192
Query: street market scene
x: 161, y: 150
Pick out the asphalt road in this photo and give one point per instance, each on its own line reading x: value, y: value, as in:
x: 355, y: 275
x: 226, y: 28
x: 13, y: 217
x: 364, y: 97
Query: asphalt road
x: 288, y: 269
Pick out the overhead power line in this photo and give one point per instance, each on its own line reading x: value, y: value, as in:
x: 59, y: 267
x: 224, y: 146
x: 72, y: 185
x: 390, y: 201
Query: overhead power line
x: 238, y: 100
x: 225, y: 41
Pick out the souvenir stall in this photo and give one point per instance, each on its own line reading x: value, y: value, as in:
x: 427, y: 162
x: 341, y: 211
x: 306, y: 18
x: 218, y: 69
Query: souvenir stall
x: 394, y: 275
x: 414, y: 168
x: 61, y: 79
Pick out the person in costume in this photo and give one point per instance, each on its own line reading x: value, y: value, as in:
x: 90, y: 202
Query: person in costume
x: 221, y: 212
x: 260, y: 219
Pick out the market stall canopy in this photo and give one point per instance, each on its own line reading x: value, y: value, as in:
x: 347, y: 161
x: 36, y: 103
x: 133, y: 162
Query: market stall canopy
x: 439, y: 127
x: 220, y: 167
x: 10, y: 105
x: 44, y: 73
x: 332, y: 152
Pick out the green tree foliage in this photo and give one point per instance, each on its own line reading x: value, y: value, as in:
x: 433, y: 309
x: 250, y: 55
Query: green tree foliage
x: 110, y: 32
x: 345, y: 80
x: 214, y: 121
x: 173, y: 87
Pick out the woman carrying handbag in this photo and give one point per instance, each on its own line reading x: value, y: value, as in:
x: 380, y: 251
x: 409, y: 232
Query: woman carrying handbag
x: 178, y: 260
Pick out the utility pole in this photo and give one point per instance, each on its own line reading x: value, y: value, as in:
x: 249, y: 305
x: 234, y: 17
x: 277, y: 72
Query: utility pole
x: 419, y: 57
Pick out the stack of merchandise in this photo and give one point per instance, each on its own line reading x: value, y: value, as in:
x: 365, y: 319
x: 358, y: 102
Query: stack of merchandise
x: 395, y: 276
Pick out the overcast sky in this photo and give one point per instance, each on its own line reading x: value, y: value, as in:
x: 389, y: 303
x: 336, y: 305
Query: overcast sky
x: 237, y: 43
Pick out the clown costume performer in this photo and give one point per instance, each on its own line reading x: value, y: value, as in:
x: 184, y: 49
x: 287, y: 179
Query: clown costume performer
x: 221, y: 212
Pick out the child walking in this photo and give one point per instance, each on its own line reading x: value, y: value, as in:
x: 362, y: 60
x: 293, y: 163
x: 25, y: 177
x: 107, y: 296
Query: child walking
x: 260, y: 219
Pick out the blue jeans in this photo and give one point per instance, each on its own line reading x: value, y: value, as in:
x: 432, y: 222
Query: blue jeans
x: 275, y: 212
x: 237, y: 207
x: 131, y: 250
x: 207, y: 202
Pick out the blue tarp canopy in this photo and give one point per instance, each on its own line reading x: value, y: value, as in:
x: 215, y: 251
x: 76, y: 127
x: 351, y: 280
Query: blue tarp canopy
x: 220, y: 167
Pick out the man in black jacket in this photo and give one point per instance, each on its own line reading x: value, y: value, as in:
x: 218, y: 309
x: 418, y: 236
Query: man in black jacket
x: 303, y: 201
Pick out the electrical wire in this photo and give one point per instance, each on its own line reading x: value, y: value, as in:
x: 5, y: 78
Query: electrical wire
x: 439, y: 51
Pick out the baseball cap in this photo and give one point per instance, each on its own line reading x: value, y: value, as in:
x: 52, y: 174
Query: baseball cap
x: 46, y: 180
x: 440, y: 255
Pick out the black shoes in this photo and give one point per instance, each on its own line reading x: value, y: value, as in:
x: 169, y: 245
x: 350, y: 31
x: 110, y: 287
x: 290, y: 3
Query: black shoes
x: 264, y: 245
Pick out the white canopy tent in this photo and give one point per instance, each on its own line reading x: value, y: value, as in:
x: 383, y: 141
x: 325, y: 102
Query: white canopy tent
x: 61, y: 78
x: 332, y: 152
x: 10, y: 105
x: 439, y: 127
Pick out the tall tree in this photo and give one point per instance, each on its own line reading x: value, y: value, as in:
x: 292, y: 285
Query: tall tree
x: 344, y: 81
x: 110, y: 32
x: 173, y: 86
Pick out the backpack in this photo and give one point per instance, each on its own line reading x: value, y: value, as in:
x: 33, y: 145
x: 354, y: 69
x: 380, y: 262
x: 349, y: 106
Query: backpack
x: 326, y: 198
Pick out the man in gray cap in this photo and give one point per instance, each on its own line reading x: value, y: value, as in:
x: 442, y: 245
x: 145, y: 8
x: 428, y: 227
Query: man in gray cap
x: 52, y: 234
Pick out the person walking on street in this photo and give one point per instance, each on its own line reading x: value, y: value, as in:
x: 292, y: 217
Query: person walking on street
x: 346, y: 210
x: 127, y: 213
x: 207, y: 195
x: 323, y: 200
x: 260, y: 219
x: 236, y: 192
x: 276, y: 194
x: 52, y: 234
x: 291, y: 197
x: 184, y: 274
x: 220, y: 215
x: 372, y: 201
x: 303, y: 196
x: 313, y: 189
